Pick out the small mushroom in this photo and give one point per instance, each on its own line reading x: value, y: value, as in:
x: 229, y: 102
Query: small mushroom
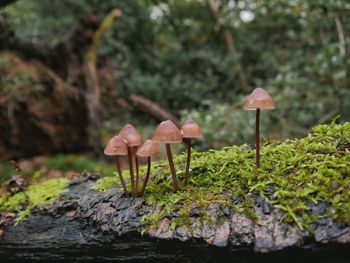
x: 148, y: 149
x: 258, y: 100
x: 132, y: 139
x: 116, y: 147
x: 168, y: 133
x: 190, y: 130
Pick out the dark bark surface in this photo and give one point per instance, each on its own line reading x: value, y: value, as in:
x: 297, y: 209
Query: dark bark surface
x: 85, y: 217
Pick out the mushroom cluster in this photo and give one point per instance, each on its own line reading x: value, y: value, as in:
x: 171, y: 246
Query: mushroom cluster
x: 129, y: 143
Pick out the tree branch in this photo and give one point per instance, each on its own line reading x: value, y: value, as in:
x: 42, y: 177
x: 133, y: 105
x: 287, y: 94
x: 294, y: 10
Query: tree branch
x: 341, y: 36
x: 228, y: 41
x: 152, y: 109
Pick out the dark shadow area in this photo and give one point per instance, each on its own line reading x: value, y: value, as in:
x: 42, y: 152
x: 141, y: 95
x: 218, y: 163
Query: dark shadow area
x: 134, y: 249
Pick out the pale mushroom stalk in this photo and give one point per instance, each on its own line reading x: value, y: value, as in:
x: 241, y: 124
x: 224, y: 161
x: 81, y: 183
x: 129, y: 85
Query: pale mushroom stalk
x: 122, y: 181
x: 168, y: 133
x: 188, y: 161
x: 190, y: 130
x: 172, y: 167
x: 117, y: 147
x: 131, y: 170
x: 137, y: 175
x: 148, y: 149
x: 147, y: 176
x: 132, y: 139
x: 257, y: 137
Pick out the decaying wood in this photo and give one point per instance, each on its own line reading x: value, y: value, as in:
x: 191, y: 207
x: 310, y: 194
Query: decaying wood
x: 50, y: 117
x: 152, y: 109
x: 63, y: 95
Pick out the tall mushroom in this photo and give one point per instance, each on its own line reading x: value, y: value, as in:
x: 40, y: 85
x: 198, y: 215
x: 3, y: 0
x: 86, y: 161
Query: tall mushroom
x: 168, y: 133
x: 190, y: 130
x: 147, y: 149
x: 116, y: 147
x: 132, y: 139
x: 258, y: 100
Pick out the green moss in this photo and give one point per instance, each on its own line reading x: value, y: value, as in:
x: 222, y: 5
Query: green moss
x: 294, y: 175
x: 36, y: 196
x: 106, y: 183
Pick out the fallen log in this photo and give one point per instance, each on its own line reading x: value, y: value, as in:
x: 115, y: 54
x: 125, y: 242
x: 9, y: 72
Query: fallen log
x: 84, y: 216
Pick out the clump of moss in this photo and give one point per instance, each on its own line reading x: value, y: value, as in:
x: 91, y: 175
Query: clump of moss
x: 106, y: 183
x: 294, y: 175
x: 36, y: 196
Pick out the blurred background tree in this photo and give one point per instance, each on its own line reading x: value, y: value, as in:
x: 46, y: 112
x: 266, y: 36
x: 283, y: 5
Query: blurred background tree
x: 201, y: 58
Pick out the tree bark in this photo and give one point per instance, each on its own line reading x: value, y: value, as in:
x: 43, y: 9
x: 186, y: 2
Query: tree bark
x: 86, y: 217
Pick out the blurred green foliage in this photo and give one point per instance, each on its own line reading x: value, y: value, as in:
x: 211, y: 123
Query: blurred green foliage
x: 62, y: 163
x: 77, y: 163
x: 171, y: 52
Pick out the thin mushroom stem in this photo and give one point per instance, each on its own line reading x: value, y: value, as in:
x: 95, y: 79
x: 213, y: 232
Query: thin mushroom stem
x: 147, y: 176
x: 172, y: 168
x: 257, y: 137
x: 187, y: 174
x: 131, y: 169
x: 137, y: 175
x: 122, y: 181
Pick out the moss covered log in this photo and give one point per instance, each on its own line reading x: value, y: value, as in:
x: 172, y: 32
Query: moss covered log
x: 294, y: 174
x: 301, y: 190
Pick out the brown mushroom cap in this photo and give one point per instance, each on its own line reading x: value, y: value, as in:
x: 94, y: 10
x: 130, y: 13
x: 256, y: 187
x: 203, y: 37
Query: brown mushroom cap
x: 130, y: 135
x: 148, y: 149
x: 167, y: 132
x: 116, y: 146
x: 190, y: 129
x: 259, y: 99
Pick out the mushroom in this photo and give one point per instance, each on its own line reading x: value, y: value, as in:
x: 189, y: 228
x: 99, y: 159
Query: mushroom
x: 147, y: 149
x: 132, y: 139
x: 258, y: 100
x: 189, y: 131
x: 168, y: 133
x: 116, y: 147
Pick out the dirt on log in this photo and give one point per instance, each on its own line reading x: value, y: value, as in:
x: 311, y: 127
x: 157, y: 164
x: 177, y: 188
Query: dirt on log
x: 85, y: 216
